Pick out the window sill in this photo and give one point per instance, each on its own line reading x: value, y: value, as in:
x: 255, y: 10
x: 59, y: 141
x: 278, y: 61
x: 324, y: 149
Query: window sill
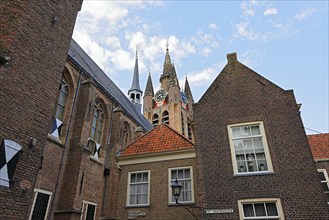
x: 254, y: 174
x: 182, y: 203
x: 55, y: 140
x: 95, y: 159
x: 137, y: 206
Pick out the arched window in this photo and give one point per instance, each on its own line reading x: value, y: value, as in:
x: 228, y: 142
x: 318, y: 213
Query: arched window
x: 165, y: 117
x: 155, y: 120
x: 62, y: 101
x: 97, y: 124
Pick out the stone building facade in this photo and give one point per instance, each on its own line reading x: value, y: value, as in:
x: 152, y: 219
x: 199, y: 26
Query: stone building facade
x: 252, y: 151
x: 148, y: 167
x: 170, y: 105
x: 34, y: 41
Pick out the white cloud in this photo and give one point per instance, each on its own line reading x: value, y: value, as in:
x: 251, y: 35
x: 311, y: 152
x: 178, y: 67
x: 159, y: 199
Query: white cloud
x: 270, y: 11
x: 244, y: 30
x: 213, y: 26
x: 206, y: 52
x: 113, y: 42
x: 304, y: 14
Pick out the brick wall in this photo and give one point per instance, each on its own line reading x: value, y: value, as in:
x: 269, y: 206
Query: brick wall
x: 37, y: 48
x: 240, y: 95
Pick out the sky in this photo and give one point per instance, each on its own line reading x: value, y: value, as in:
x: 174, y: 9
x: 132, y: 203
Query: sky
x: 284, y: 41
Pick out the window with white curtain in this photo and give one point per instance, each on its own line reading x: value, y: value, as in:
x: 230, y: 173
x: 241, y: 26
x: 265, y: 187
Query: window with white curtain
x: 184, y: 176
x: 138, y: 188
x: 269, y: 208
x: 249, y: 148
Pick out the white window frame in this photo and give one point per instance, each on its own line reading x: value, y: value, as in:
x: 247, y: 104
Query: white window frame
x: 325, y: 173
x: 85, y: 209
x: 36, y: 192
x: 148, y: 188
x: 265, y: 146
x: 170, y: 202
x: 277, y: 201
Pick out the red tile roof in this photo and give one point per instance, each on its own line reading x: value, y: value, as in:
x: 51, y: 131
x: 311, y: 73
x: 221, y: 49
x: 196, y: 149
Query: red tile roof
x: 319, y: 145
x: 162, y: 138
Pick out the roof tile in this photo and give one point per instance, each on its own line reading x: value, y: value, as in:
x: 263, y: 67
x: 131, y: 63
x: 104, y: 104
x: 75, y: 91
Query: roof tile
x: 319, y: 145
x: 162, y: 138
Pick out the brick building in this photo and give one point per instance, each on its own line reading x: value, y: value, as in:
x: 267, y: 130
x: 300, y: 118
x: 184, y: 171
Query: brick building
x: 93, y: 121
x: 34, y: 40
x: 319, y: 144
x: 148, y: 167
x: 252, y: 151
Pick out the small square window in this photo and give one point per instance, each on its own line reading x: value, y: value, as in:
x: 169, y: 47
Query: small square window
x: 268, y: 208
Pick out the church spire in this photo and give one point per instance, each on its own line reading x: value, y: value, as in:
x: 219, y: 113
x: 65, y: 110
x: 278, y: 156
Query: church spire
x: 149, y: 87
x: 135, y: 93
x: 187, y: 90
x: 174, y: 79
x: 167, y: 66
x: 135, y: 83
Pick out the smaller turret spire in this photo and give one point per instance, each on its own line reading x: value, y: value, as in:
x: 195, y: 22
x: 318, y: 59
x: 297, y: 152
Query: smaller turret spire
x: 135, y: 93
x: 149, y: 87
x: 187, y: 89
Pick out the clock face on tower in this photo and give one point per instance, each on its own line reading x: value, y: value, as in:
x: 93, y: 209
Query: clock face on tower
x: 160, y: 96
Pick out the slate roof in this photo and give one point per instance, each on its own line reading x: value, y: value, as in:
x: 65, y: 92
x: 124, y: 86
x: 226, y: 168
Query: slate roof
x: 319, y: 144
x: 82, y: 61
x: 162, y: 138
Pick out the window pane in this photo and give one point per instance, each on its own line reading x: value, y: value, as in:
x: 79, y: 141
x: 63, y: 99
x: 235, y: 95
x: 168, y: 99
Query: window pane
x: 145, y: 177
x: 133, y: 178
x: 236, y: 132
x: 238, y: 145
x: 173, y: 174
x: 258, y: 143
x: 271, y: 209
x: 241, y: 166
x: 139, y: 177
x: 180, y: 174
x: 248, y: 210
x: 187, y: 173
x: 246, y: 131
x: 90, y: 212
x: 322, y: 177
x: 255, y: 130
x: 247, y: 144
x: 260, y: 209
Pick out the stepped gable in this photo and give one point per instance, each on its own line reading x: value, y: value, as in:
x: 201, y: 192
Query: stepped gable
x: 81, y: 59
x: 162, y: 138
x: 319, y: 144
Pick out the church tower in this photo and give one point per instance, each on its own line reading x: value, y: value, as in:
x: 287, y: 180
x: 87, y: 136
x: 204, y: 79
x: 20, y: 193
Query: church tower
x: 135, y: 93
x: 169, y: 105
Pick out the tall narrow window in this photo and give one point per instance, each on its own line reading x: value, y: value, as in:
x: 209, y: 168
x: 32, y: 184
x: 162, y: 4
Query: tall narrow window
x: 184, y: 176
x: 97, y: 124
x: 189, y: 130
x: 138, y: 188
x: 165, y: 117
x: 183, y: 125
x: 325, y: 182
x: 249, y: 148
x: 155, y: 120
x: 40, y: 204
x: 62, y: 101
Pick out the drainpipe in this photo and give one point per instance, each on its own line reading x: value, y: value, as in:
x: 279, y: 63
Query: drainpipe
x: 65, y: 148
x: 106, y: 162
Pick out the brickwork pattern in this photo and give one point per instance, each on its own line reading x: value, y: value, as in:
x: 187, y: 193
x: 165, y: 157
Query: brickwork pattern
x: 240, y: 95
x: 37, y: 48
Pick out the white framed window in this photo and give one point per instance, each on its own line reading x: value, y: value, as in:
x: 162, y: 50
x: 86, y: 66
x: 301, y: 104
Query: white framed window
x: 325, y: 182
x: 41, y: 203
x: 184, y: 176
x: 249, y: 149
x: 138, y: 192
x: 88, y: 210
x: 264, y: 208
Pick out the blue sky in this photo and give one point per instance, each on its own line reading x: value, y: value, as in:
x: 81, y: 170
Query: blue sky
x: 284, y: 41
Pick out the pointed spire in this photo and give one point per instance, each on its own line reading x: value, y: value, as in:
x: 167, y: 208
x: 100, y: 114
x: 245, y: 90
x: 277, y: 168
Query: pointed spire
x: 167, y: 66
x: 187, y: 91
x: 135, y: 84
x: 149, y: 87
x: 174, y: 79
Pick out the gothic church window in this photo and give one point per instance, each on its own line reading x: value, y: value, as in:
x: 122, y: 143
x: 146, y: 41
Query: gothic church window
x: 97, y: 123
x: 155, y: 120
x: 62, y: 100
x: 165, y: 117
